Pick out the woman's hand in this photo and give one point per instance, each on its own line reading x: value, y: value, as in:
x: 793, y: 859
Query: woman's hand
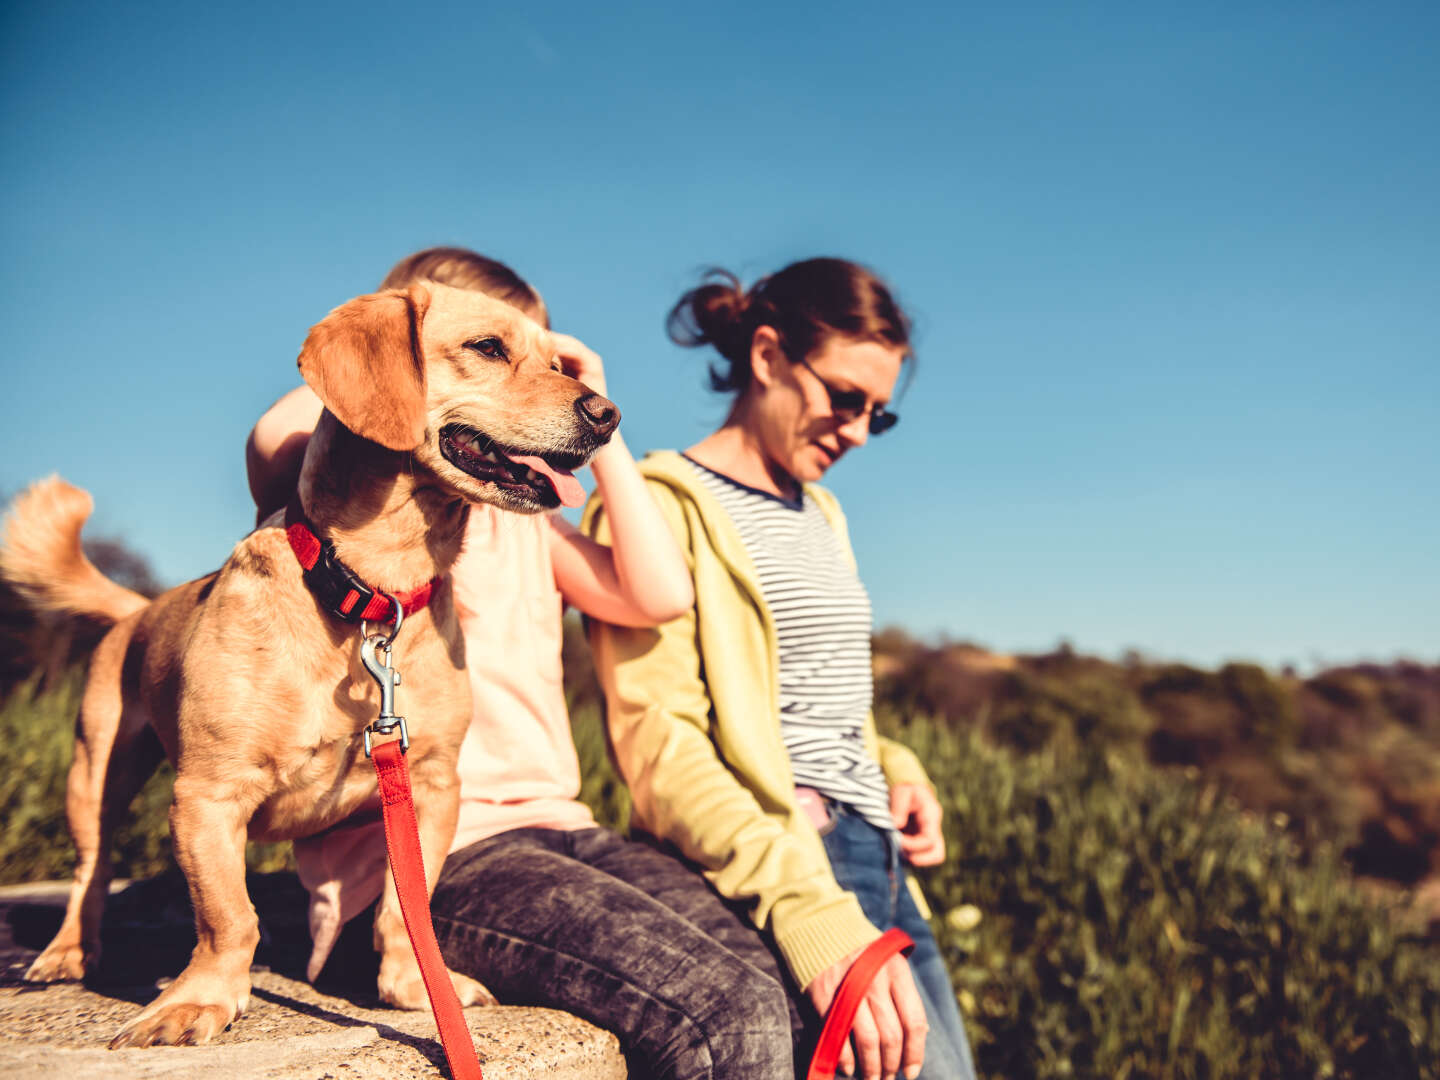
x: 917, y: 815
x: 579, y: 361
x: 890, y: 1026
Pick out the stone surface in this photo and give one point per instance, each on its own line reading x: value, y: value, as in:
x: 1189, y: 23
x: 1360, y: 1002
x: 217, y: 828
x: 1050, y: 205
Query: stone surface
x: 291, y: 1031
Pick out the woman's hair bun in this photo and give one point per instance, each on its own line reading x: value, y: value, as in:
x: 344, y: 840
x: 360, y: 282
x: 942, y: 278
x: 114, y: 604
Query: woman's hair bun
x: 714, y: 313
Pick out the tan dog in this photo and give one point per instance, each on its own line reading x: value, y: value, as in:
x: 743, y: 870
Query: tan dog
x: 258, y: 695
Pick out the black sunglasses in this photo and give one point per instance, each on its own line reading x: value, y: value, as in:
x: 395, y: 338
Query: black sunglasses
x: 848, y: 404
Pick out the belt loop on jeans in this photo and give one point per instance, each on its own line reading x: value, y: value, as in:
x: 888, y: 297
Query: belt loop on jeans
x: 897, y: 862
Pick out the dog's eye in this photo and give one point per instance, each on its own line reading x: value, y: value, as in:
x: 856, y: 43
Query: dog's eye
x: 490, y: 348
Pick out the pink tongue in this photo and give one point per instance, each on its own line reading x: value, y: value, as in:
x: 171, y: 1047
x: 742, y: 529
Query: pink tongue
x: 566, y: 486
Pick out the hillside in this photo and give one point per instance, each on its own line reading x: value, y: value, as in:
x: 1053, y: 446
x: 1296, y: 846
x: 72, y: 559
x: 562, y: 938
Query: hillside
x: 1348, y: 757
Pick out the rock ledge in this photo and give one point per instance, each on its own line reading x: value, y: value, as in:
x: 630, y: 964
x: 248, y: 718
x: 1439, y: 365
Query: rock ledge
x: 290, y: 1032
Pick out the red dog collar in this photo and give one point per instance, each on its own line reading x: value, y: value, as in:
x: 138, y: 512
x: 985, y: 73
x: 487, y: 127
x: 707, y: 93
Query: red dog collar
x: 338, y: 589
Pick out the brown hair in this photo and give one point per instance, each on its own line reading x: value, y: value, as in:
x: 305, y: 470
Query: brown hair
x: 466, y: 269
x: 806, y: 303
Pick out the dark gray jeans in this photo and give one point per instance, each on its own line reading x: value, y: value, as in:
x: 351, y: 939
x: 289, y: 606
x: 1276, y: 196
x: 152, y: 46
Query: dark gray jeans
x: 629, y: 938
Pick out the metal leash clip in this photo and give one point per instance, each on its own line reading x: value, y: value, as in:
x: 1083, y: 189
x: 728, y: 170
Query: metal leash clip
x: 375, y: 655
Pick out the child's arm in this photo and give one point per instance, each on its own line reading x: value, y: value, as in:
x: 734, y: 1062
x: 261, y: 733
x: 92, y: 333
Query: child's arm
x: 276, y: 448
x: 642, y: 580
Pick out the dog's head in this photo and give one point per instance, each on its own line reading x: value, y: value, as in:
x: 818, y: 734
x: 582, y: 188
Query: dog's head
x: 467, y: 384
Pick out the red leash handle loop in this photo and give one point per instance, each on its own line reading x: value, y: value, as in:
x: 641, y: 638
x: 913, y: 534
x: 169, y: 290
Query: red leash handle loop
x: 402, y: 842
x: 841, y: 1015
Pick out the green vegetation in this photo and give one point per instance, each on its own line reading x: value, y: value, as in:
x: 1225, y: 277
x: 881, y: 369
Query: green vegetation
x: 600, y: 787
x: 1106, y: 918
x: 38, y: 728
x: 1103, y: 915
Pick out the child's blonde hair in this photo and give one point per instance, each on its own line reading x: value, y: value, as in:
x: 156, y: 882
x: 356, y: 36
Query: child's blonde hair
x: 466, y: 269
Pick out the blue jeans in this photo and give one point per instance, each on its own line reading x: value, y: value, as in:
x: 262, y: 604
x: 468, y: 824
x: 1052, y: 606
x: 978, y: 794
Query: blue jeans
x: 866, y: 861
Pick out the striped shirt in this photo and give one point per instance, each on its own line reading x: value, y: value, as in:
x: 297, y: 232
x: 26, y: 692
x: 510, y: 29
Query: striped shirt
x: 823, y: 623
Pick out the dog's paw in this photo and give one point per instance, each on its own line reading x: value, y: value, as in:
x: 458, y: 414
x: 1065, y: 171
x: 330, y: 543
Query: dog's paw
x: 181, y: 1024
x: 191, y: 1011
x: 64, y: 963
x: 405, y: 989
x: 471, y: 992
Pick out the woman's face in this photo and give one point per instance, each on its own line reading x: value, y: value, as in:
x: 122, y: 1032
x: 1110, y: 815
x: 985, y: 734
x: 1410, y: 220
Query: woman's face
x: 798, y: 428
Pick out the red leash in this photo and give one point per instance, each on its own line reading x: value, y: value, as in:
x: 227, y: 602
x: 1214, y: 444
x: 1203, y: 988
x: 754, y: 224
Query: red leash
x: 402, y: 845
x: 402, y: 841
x: 340, y: 592
x: 841, y: 1014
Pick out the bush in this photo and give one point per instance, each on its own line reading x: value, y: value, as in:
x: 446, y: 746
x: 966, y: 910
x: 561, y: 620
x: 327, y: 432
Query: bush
x: 601, y: 788
x: 1037, y: 710
x: 1104, y: 918
x: 38, y: 729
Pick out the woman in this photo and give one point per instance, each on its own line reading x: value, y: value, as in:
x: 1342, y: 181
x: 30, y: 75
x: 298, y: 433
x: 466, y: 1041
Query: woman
x: 743, y: 727
x: 536, y: 900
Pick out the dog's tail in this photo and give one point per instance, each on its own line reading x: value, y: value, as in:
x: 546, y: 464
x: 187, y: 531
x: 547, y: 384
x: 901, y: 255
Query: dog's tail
x: 41, y: 556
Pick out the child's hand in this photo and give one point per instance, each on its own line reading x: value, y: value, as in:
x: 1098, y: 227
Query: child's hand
x: 579, y: 361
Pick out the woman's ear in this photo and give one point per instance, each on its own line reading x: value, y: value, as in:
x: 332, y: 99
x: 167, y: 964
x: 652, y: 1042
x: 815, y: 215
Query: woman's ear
x: 363, y: 360
x: 766, y: 355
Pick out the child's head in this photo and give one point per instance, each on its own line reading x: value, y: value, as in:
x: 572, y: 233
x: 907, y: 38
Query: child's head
x: 464, y: 269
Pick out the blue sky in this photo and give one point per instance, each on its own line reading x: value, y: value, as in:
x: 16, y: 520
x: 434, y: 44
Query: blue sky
x: 1175, y: 269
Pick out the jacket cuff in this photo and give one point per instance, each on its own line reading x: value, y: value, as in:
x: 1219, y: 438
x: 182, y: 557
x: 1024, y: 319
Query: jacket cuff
x: 901, y: 765
x: 824, y: 938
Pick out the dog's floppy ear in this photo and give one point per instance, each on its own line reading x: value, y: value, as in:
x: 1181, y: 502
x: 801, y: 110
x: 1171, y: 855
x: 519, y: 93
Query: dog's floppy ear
x: 364, y: 362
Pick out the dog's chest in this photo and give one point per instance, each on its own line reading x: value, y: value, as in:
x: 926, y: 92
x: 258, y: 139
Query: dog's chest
x: 329, y: 783
x: 323, y: 776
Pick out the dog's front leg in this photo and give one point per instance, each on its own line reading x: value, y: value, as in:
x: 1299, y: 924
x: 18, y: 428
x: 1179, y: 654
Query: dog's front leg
x: 207, y: 826
x: 437, y: 804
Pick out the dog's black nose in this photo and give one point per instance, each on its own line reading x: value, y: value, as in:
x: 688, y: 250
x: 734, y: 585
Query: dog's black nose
x: 599, y: 413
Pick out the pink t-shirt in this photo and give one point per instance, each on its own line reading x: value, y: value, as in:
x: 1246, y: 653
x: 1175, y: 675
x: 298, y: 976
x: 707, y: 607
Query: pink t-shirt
x: 518, y: 766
